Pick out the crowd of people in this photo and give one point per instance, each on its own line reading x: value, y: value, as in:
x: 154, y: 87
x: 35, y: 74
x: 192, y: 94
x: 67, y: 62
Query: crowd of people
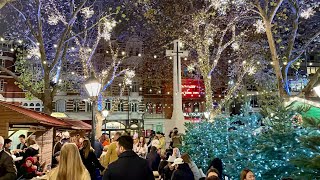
x: 122, y: 157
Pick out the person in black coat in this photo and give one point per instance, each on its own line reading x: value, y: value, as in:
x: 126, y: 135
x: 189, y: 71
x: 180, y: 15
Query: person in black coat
x: 8, y: 170
x: 129, y: 165
x: 32, y: 150
x: 182, y: 172
x: 153, y: 159
x: 89, y: 159
x: 22, y: 145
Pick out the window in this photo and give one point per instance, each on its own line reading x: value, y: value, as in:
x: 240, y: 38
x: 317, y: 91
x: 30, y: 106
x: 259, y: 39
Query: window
x: 1, y: 85
x: 149, y: 108
x: 120, y: 106
x: 135, y: 87
x: 2, y: 62
x: 38, y: 107
x: 76, y: 106
x: 88, y: 106
x: 108, y: 105
x: 159, y: 108
x: 60, y: 105
x: 133, y: 107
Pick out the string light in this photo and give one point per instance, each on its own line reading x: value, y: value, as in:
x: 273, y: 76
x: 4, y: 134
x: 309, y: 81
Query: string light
x: 1, y: 39
x: 229, y: 61
x: 155, y: 56
x: 139, y: 55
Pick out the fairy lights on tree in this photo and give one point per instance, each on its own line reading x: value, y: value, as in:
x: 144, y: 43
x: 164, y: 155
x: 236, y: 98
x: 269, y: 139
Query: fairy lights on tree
x: 59, y: 37
x: 281, y: 22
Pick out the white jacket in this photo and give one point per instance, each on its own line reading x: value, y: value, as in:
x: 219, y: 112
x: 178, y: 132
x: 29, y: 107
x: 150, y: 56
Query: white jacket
x: 195, y: 170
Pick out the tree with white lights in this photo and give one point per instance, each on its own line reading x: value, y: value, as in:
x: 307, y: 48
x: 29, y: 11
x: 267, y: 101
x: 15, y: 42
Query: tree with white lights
x: 58, y: 39
x: 291, y: 27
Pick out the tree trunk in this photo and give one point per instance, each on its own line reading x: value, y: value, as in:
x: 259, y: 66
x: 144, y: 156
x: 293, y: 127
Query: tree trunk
x: 47, y: 97
x: 275, y: 58
x: 208, y: 89
x: 99, y: 120
x: 47, y: 103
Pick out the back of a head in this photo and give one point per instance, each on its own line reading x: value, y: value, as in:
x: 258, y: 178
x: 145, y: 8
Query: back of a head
x: 186, y: 158
x: 212, y: 178
x: 217, y: 164
x: 30, y: 142
x: 117, y: 135
x: 153, y: 149
x: 126, y: 142
x: 70, y: 164
x: 213, y: 171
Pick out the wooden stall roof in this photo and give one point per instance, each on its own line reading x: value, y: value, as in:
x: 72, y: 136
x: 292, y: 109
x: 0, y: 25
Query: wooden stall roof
x: 15, y: 114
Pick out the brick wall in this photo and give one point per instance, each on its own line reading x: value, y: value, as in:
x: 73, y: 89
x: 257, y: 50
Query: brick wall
x: 45, y: 141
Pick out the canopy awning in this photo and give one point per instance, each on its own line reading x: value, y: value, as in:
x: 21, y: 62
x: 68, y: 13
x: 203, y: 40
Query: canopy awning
x: 14, y: 114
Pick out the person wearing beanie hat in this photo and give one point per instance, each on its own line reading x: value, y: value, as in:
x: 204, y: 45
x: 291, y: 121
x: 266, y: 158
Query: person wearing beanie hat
x: 27, y: 170
x: 7, y: 167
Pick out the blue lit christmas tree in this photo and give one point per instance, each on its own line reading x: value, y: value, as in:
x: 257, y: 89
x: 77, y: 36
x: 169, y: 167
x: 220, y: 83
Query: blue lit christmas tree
x: 310, y: 164
x: 228, y: 138
x: 242, y: 142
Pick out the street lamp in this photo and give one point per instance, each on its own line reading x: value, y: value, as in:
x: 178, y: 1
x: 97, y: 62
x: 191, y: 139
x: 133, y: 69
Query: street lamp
x: 93, y: 87
x: 105, y: 114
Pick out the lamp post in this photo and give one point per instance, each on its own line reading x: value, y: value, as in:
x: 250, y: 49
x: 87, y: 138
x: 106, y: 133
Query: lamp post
x: 105, y: 114
x: 93, y: 87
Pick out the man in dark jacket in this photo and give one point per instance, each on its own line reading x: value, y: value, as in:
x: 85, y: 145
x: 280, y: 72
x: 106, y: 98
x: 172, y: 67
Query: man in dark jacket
x: 129, y: 165
x: 8, y: 170
x: 22, y: 145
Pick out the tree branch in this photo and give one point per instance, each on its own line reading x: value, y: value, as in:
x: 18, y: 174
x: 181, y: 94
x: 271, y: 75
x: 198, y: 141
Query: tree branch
x: 274, y: 10
x: 15, y: 77
x: 65, y: 33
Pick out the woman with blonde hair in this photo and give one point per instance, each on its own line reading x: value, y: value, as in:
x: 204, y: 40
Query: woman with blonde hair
x: 70, y: 165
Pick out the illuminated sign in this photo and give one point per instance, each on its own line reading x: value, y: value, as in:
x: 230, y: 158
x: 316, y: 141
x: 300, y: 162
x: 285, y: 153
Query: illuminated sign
x: 192, y: 88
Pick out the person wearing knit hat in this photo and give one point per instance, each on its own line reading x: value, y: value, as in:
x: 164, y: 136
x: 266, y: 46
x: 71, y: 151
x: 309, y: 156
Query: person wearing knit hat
x: 27, y: 170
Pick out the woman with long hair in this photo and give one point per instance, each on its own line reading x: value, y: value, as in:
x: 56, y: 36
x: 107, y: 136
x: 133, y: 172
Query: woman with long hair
x: 89, y: 159
x: 141, y: 148
x: 70, y: 166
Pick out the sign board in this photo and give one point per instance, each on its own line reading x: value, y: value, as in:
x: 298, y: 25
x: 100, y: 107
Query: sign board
x: 193, y: 88
x: 159, y: 128
x: 114, y: 125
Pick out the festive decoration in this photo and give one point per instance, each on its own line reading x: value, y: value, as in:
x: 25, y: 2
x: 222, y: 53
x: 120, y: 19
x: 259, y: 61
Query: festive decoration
x: 264, y: 145
x: 310, y: 164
